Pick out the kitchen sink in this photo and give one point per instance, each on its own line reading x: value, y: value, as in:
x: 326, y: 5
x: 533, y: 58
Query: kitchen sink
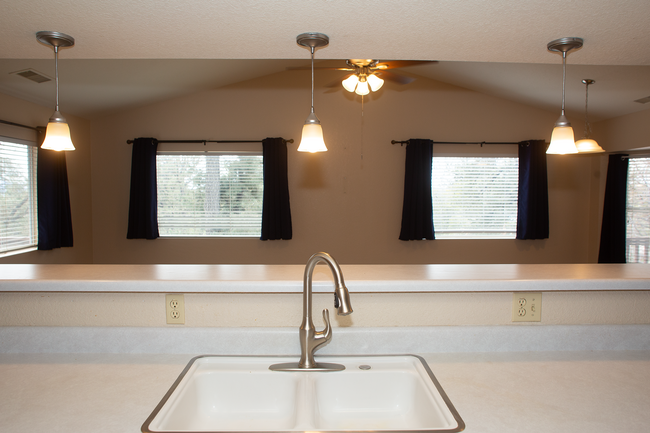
x: 241, y: 394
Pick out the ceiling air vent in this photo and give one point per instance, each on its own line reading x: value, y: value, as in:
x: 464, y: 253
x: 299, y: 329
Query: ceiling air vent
x: 33, y: 75
x: 643, y: 100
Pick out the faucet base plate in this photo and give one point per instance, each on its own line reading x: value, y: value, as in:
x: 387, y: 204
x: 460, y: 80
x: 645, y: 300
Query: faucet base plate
x: 319, y: 366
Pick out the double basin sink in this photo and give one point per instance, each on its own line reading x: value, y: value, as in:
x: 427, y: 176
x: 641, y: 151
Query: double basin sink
x: 241, y: 394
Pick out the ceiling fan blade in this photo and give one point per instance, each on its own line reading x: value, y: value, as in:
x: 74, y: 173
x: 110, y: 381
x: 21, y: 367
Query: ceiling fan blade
x: 301, y: 68
x: 392, y: 64
x: 396, y: 78
x: 338, y: 81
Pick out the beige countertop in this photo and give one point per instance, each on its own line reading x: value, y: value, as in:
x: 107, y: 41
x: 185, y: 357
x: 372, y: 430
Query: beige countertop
x: 288, y: 278
x: 493, y: 392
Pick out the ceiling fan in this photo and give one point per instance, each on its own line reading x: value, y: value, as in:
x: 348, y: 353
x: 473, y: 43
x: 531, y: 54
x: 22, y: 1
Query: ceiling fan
x: 368, y: 74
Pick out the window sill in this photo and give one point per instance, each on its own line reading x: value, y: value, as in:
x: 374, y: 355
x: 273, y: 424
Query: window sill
x: 16, y: 252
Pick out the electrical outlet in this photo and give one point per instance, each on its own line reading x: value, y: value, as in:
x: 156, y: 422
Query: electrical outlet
x: 526, y: 307
x: 175, y: 309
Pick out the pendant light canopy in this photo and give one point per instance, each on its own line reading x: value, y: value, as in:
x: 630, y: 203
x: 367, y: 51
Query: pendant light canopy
x: 312, y: 132
x: 57, y: 135
x: 588, y: 145
x: 562, y: 139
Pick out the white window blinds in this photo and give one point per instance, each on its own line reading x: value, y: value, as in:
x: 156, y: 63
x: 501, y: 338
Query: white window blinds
x: 18, y: 213
x: 208, y: 194
x: 475, y: 197
x: 637, y: 211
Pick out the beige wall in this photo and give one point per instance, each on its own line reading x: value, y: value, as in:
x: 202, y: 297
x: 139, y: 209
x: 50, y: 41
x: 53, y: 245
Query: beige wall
x: 78, y: 164
x: 347, y: 201
x: 370, y: 310
x: 626, y: 132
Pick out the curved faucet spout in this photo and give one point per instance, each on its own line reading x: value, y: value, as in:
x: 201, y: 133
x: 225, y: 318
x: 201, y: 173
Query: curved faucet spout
x: 310, y: 339
x: 344, y: 307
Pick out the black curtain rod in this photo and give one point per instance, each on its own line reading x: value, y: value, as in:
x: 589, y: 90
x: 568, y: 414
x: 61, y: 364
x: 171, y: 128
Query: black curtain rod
x: 459, y: 142
x: 211, y: 141
x: 18, y: 124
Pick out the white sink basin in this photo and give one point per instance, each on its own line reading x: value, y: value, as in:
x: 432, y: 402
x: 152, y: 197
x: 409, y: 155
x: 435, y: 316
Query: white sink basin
x: 240, y: 393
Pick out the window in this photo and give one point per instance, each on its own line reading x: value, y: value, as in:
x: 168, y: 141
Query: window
x: 18, y: 213
x: 475, y: 197
x: 637, y: 211
x: 209, y: 194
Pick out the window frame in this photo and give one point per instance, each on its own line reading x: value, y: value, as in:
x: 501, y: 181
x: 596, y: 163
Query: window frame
x: 229, y: 149
x: 32, y: 175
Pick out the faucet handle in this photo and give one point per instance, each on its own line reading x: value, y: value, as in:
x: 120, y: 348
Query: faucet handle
x: 326, y: 333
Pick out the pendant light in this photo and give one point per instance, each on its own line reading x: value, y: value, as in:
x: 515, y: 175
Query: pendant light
x: 588, y: 145
x: 312, y: 132
x: 562, y: 139
x: 57, y: 135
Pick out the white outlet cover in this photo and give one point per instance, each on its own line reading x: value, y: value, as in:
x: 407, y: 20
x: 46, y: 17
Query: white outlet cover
x: 527, y: 307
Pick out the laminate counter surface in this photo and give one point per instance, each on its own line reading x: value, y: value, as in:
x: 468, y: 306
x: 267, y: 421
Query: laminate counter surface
x: 289, y: 278
x: 493, y: 392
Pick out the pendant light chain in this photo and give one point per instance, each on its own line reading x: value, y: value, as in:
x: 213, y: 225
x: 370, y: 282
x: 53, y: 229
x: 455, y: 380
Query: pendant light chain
x: 56, y: 75
x: 312, y: 79
x: 563, y: 78
x: 587, y: 125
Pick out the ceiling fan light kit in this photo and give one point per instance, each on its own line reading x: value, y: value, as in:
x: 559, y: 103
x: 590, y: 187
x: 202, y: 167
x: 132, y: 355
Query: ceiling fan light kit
x: 312, y: 132
x: 362, y: 87
x: 363, y: 79
x: 57, y: 135
x: 562, y: 139
x: 350, y: 83
x: 375, y: 82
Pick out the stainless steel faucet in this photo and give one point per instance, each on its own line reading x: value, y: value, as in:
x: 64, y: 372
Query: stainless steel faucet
x: 310, y: 339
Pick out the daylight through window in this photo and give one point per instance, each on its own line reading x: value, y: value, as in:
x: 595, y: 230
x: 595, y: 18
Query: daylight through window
x: 638, y: 211
x: 18, y: 217
x: 208, y: 194
x: 475, y: 197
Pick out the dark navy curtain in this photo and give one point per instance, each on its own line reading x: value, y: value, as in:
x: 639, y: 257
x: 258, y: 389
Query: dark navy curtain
x: 54, y: 217
x: 276, y: 209
x: 417, y: 209
x: 532, y: 207
x: 612, y: 235
x: 143, y: 200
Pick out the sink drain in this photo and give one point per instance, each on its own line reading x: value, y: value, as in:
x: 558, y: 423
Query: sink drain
x: 364, y: 367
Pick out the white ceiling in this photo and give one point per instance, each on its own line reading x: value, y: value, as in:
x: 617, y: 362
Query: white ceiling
x: 130, y: 52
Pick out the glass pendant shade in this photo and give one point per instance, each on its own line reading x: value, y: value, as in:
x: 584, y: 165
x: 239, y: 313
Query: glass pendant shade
x: 375, y: 82
x: 312, y: 139
x: 57, y: 137
x: 588, y: 145
x: 350, y: 83
x: 562, y: 141
x: 362, y: 88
